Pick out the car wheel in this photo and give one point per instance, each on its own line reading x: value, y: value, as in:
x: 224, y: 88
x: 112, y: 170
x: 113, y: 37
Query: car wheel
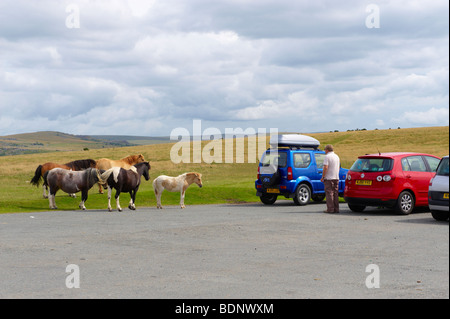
x: 439, y: 215
x: 405, y: 203
x: 318, y: 198
x: 356, y: 208
x: 302, y: 195
x: 268, y: 199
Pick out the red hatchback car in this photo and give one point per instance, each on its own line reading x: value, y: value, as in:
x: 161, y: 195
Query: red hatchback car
x: 393, y: 180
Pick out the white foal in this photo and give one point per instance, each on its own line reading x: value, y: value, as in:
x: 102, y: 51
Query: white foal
x: 175, y: 184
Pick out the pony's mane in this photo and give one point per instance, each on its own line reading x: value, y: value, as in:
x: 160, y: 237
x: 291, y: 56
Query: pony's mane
x: 81, y: 164
x: 132, y: 159
x: 92, y: 176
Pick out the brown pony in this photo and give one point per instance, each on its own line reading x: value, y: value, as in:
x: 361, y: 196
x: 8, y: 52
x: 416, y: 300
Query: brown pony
x: 126, y: 163
x: 78, y: 165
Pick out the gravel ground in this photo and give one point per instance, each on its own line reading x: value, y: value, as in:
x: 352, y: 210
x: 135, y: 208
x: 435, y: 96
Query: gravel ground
x: 223, y: 251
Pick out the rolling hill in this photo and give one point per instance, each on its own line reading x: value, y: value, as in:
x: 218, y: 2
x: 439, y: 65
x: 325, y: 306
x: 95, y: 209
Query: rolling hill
x: 50, y: 141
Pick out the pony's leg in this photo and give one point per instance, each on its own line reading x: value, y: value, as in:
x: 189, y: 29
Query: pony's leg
x: 100, y: 189
x: 51, y: 199
x: 44, y: 189
x: 182, y: 199
x: 84, y: 196
x: 158, y: 193
x: 50, y: 202
x: 133, y: 198
x: 117, y: 201
x: 109, y: 198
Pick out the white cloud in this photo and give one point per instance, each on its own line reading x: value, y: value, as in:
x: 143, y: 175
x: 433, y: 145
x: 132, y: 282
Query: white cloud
x: 433, y: 116
x: 145, y: 67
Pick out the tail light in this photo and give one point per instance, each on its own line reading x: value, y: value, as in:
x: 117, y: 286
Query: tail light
x: 259, y: 174
x: 290, y: 176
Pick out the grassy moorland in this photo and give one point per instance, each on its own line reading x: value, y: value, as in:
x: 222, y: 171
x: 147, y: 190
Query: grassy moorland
x: 223, y: 182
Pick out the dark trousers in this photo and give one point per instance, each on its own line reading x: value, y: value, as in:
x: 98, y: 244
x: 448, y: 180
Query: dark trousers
x: 332, y: 194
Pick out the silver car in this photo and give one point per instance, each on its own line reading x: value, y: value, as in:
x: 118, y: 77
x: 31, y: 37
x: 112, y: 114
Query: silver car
x: 438, y: 192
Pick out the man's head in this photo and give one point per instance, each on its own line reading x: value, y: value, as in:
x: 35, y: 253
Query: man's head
x: 329, y: 148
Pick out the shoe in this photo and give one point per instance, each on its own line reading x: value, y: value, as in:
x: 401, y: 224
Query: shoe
x: 327, y: 212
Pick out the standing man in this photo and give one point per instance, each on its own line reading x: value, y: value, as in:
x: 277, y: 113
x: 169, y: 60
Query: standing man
x: 330, y: 178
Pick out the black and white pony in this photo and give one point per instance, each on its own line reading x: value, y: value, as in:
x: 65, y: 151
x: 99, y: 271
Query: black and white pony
x: 125, y: 180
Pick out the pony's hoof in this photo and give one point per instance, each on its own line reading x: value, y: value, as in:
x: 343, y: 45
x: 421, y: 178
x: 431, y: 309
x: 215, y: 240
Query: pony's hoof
x: 110, y: 209
x: 120, y: 209
x: 131, y: 207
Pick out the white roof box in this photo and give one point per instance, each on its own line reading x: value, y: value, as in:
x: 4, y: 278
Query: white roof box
x: 294, y: 140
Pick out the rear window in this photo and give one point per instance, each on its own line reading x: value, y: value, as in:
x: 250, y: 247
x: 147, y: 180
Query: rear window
x: 372, y: 165
x: 443, y: 167
x: 276, y: 158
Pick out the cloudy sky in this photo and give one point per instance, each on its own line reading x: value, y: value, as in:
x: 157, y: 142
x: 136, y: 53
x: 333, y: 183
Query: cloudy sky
x: 146, y: 67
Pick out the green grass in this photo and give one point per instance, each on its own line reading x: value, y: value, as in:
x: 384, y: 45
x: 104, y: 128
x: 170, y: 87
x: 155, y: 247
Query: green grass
x: 223, y: 183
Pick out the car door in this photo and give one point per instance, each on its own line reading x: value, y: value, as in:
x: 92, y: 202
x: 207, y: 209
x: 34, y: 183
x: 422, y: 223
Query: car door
x: 318, y: 170
x: 417, y: 177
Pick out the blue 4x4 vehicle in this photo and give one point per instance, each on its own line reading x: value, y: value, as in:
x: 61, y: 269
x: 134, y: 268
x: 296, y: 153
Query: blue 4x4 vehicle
x: 293, y: 167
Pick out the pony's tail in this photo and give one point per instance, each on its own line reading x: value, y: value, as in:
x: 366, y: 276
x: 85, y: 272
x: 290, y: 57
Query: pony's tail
x: 104, y: 176
x: 37, y: 176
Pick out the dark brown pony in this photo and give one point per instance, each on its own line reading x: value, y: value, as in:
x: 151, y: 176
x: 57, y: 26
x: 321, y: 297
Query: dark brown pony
x: 125, y: 180
x: 78, y: 165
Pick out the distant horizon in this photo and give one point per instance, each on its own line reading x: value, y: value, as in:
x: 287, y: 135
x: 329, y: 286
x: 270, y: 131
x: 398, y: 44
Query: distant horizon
x: 168, y: 136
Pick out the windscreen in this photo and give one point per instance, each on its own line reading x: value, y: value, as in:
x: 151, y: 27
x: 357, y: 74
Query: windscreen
x: 372, y: 165
x: 443, y: 167
x: 277, y: 158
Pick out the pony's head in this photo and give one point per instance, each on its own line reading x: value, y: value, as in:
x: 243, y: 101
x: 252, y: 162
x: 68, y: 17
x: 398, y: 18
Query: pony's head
x: 196, y: 178
x: 144, y: 168
x: 94, y: 176
x: 135, y: 159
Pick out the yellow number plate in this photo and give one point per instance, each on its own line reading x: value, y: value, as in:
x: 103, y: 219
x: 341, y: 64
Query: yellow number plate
x: 445, y: 195
x: 363, y: 182
x: 273, y: 191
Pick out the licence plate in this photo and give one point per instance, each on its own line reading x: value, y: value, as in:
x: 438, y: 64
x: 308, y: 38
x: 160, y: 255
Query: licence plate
x: 445, y: 196
x: 363, y: 182
x: 273, y: 191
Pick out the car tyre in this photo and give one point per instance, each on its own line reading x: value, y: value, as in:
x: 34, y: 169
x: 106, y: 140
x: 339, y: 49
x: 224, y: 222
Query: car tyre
x: 268, y: 199
x: 405, y: 203
x: 318, y: 198
x: 356, y: 208
x: 439, y: 215
x: 302, y: 195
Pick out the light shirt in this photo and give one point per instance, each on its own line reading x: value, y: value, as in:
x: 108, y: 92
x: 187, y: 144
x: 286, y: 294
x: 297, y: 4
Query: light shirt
x: 333, y: 162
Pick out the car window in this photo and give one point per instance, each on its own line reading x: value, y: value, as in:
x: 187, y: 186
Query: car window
x: 433, y: 162
x: 319, y: 159
x: 413, y: 164
x: 277, y: 158
x: 302, y: 160
x: 372, y: 165
x: 443, y: 167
